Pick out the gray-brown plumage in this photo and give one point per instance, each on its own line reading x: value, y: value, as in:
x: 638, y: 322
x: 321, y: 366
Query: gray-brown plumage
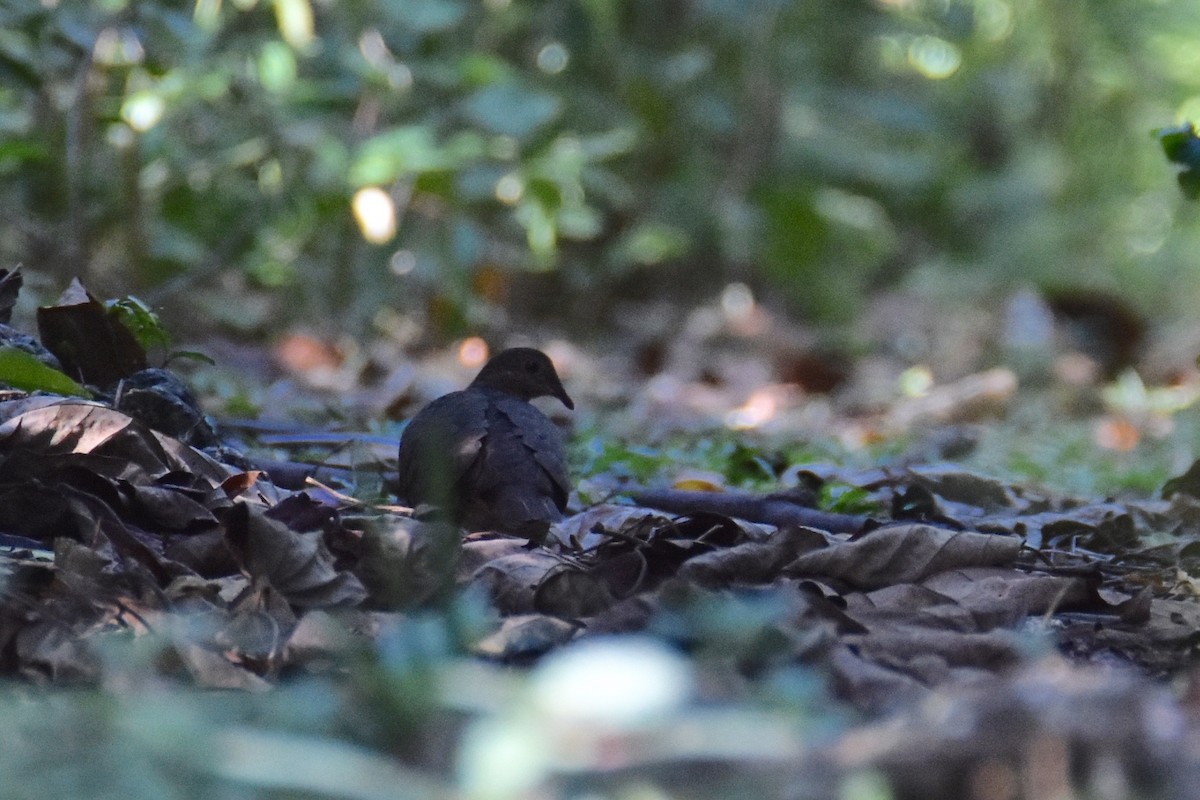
x: 486, y: 458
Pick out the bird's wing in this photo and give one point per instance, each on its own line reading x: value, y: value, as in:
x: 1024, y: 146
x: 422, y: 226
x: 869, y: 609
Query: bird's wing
x: 441, y: 444
x: 543, y: 441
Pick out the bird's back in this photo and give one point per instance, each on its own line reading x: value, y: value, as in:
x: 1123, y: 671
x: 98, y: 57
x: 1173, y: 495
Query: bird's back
x: 493, y: 461
x: 439, y: 446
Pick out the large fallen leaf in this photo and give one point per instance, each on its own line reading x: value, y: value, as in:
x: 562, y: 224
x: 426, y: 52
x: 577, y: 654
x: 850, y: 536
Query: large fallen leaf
x: 1008, y: 595
x: 904, y: 602
x: 752, y: 562
x: 51, y: 649
x: 512, y: 580
x: 298, y: 565
x: 957, y: 485
x: 572, y: 592
x: 213, y: 670
x: 166, y: 509
x: 868, y: 685
x: 906, y: 646
x: 90, y: 341
x: 81, y: 427
x: 1099, y: 527
x: 904, y: 554
x: 585, y: 530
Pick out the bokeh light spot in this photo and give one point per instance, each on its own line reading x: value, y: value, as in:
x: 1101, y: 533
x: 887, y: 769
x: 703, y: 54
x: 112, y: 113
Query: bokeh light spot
x: 143, y: 110
x: 933, y: 57
x: 402, y: 262
x: 473, y: 352
x: 509, y: 189
x: 553, y: 58
x: 737, y: 302
x: 375, y: 214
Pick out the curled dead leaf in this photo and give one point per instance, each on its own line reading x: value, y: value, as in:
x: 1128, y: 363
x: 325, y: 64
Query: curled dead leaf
x: 905, y: 554
x: 299, y: 565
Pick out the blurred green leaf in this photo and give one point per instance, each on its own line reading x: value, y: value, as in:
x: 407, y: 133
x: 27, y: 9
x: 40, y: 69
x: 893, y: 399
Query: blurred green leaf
x: 1180, y: 143
x: 511, y: 109
x: 427, y: 16
x: 21, y: 150
x: 482, y: 69
x: 651, y: 243
x: 328, y: 767
x: 811, y: 148
x: 847, y: 499
x: 1182, y: 146
x: 23, y: 371
x: 189, y: 355
x: 276, y: 67
x: 403, y: 151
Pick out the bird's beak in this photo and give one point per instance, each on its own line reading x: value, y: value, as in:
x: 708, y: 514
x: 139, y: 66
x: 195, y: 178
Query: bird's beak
x: 562, y: 395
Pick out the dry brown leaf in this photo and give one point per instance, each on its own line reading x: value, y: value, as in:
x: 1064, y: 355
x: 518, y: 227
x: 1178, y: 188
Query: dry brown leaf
x: 572, y: 592
x: 752, y: 562
x: 323, y: 636
x: 958, y: 485
x: 52, y: 650
x: 904, y: 554
x: 897, y: 646
x: 512, y: 581
x: 92, y: 343
x: 298, y: 565
x: 80, y: 427
x: 1008, y: 595
x: 869, y: 686
x: 476, y: 552
x: 585, y: 530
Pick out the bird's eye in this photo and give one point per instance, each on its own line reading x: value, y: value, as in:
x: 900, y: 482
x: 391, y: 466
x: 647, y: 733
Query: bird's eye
x: 531, y: 367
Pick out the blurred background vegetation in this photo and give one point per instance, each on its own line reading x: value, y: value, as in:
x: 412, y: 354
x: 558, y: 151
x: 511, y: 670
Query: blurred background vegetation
x: 251, y: 164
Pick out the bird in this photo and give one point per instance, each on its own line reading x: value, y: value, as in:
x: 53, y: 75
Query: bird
x: 484, y: 457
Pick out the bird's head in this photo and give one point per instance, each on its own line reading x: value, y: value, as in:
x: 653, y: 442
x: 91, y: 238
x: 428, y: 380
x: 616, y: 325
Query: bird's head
x: 522, y: 372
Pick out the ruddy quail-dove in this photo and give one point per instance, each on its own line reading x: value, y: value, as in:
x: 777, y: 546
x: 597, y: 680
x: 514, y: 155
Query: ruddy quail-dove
x: 484, y: 457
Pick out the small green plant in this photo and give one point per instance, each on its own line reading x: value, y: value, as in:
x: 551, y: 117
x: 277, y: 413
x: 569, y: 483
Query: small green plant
x: 1182, y: 146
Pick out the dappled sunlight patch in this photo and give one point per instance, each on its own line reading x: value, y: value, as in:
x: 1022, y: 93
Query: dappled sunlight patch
x: 758, y: 409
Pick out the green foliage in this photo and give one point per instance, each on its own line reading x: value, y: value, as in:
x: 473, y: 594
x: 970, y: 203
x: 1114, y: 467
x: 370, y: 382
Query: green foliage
x: 145, y: 737
x: 141, y: 321
x: 846, y: 499
x: 21, y: 370
x: 1182, y: 146
x: 1037, y: 445
x: 820, y: 149
x: 741, y: 460
x: 601, y: 454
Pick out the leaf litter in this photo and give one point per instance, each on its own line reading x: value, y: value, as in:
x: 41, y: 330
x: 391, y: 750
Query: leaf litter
x: 975, y: 622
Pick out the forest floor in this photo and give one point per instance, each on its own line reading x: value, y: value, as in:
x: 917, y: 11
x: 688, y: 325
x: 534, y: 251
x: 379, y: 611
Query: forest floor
x: 948, y: 555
